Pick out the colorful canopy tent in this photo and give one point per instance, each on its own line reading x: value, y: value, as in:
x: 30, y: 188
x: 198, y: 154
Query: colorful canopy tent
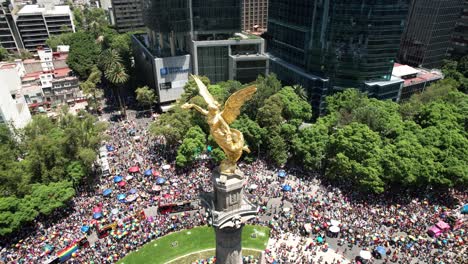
x: 107, y: 192
x: 364, y: 254
x: 434, y: 231
x: 133, y: 190
x: 464, y: 209
x: 118, y: 179
x: 443, y: 226
x: 122, y: 183
x: 85, y: 229
x: 134, y: 169
x: 121, y: 196
x: 287, y: 188
x: 381, y: 250
x: 160, y: 180
x: 282, y: 173
x: 148, y: 172
x: 97, y: 215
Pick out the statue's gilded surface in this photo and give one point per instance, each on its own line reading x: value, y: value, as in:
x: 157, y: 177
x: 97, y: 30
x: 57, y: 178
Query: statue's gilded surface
x: 229, y: 139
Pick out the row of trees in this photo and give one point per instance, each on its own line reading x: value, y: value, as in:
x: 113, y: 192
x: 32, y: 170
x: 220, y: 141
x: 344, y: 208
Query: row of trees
x: 369, y: 144
x: 40, y: 165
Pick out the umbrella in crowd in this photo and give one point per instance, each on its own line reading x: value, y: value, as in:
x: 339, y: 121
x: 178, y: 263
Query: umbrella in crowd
x: 121, y: 196
x: 97, y: 215
x: 156, y: 188
x: 381, y: 250
x: 85, y: 229
x: 97, y: 209
x: 287, y: 188
x: 160, y: 180
x: 166, y: 167
x: 118, y: 179
x: 129, y: 177
x: 122, y: 183
x: 115, y: 211
x: 464, y: 209
x: 132, y: 191
x: 107, y: 192
x: 282, y: 173
x: 148, y: 172
x: 110, y: 148
x: 156, y: 173
x: 134, y: 169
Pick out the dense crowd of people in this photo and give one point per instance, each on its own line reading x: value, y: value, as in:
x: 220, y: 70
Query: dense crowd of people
x: 398, y: 223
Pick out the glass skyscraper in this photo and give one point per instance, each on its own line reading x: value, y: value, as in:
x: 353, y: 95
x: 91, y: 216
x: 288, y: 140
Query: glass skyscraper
x: 336, y: 44
x: 427, y: 39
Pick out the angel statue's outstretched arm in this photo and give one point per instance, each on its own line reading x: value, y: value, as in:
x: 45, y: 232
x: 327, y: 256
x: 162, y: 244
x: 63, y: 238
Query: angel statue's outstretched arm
x: 198, y: 108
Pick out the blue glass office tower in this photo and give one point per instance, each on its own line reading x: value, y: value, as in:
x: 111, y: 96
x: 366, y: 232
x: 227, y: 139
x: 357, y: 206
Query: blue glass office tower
x: 330, y: 45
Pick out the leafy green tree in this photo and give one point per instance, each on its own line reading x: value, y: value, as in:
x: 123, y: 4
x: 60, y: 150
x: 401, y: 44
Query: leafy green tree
x: 266, y: 87
x: 294, y: 107
x: 311, y: 144
x: 277, y: 149
x: 84, y: 54
x: 217, y: 155
x: 253, y: 134
x: 55, y: 40
x: 270, y: 114
x: 145, y: 96
x: 354, y: 155
x: 192, y: 146
x: 4, y: 55
x: 172, y: 125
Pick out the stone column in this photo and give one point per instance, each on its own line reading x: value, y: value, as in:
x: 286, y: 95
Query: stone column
x: 229, y: 245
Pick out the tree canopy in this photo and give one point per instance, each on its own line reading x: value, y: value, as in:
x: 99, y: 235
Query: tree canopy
x: 37, y: 173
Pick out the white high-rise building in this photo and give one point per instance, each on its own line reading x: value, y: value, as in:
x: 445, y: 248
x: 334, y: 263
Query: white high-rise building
x: 13, y: 109
x: 36, y: 23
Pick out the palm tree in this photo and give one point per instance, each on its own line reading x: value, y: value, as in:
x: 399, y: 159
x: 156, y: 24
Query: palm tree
x: 109, y: 59
x: 299, y: 90
x: 118, y: 77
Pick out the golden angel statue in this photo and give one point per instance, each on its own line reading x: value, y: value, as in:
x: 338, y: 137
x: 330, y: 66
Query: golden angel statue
x: 229, y: 139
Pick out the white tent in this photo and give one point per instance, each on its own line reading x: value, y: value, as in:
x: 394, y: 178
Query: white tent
x: 334, y: 229
x: 365, y: 254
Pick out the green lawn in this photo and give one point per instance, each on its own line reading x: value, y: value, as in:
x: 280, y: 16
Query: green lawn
x: 192, y: 240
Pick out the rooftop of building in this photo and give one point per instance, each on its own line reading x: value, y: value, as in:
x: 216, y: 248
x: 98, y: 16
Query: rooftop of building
x: 58, y: 73
x: 412, y: 76
x: 37, y: 9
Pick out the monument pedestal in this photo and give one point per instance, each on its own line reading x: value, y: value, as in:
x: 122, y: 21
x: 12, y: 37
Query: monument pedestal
x: 229, y: 211
x: 229, y: 245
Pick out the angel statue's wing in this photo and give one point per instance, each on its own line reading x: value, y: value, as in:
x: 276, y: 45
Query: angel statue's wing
x: 203, y: 91
x: 235, y: 101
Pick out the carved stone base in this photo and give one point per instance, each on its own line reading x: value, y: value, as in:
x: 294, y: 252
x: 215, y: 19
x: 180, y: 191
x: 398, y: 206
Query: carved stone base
x: 229, y: 245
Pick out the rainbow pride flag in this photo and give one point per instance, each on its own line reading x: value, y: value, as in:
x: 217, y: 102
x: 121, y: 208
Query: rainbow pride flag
x: 67, y: 252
